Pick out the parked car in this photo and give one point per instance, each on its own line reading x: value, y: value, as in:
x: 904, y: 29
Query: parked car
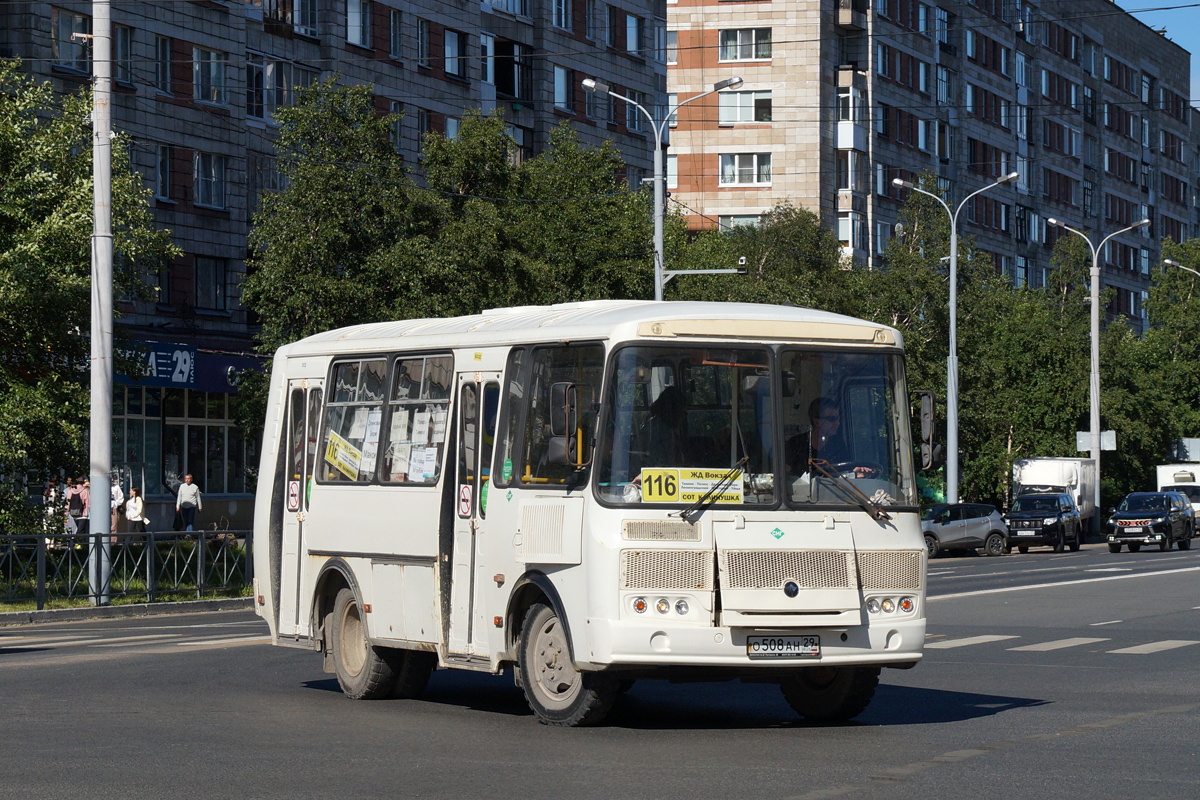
x: 1161, y: 518
x: 964, y: 526
x: 1044, y: 519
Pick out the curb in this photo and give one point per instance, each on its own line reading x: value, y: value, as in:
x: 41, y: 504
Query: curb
x: 123, y: 612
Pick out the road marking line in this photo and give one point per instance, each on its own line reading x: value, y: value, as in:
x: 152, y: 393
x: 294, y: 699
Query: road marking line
x: 123, y: 639
x: 946, y: 645
x: 233, y: 640
x: 1063, y: 583
x: 1057, y: 645
x: 1111, y: 569
x: 59, y: 642
x: 1154, y: 647
x: 1110, y: 622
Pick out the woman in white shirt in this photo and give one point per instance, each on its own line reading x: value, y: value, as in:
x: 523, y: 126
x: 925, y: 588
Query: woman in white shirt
x: 135, y: 511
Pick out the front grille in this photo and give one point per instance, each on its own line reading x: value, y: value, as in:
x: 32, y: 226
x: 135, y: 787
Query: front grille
x: 769, y: 569
x: 637, y: 530
x: 667, y: 569
x: 1135, y: 523
x: 1027, y: 523
x: 889, y: 569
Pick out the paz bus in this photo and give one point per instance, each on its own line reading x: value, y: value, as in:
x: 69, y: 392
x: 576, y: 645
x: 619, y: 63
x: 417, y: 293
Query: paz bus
x: 593, y: 493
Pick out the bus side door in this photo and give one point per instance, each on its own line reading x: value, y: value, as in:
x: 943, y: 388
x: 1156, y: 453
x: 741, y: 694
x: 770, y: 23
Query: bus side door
x: 304, y: 416
x: 478, y: 404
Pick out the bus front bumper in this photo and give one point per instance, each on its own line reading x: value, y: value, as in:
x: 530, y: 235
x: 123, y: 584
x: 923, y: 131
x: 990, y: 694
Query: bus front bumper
x: 613, y: 643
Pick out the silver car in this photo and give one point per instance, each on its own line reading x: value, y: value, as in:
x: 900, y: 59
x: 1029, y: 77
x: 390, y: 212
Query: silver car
x: 964, y: 526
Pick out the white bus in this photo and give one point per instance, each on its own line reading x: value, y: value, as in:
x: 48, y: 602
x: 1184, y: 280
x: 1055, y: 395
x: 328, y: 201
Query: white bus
x: 593, y: 493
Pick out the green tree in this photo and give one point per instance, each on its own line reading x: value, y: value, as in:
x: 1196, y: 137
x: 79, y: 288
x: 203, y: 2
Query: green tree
x: 45, y: 277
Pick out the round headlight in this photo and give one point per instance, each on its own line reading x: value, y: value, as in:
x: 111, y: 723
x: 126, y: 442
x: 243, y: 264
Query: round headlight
x: 681, y: 607
x: 907, y: 604
x: 873, y: 606
x: 640, y: 605
x: 1049, y: 520
x: 888, y: 605
x: 663, y: 605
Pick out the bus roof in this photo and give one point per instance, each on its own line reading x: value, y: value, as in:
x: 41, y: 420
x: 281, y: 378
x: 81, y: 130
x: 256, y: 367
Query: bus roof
x: 602, y: 319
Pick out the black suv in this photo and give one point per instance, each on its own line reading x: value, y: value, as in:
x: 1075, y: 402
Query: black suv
x: 1044, y: 519
x: 1160, y: 518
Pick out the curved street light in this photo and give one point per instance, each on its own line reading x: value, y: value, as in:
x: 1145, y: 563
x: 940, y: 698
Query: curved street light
x: 1095, y: 369
x: 952, y: 359
x: 596, y: 86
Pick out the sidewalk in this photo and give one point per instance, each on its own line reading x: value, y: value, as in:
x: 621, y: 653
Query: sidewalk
x: 122, y: 612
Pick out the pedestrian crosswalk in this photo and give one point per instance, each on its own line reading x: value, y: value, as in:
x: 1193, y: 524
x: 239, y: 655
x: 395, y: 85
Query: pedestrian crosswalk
x: 934, y: 643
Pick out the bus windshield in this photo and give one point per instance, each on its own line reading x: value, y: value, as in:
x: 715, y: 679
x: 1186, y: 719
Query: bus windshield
x: 741, y: 424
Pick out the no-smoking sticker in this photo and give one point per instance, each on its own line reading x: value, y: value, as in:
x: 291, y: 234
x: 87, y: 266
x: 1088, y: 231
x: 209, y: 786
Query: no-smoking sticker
x: 464, y: 500
x: 293, y: 495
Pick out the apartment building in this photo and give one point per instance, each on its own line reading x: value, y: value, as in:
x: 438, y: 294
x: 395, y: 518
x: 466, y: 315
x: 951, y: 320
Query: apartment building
x: 1085, y: 103
x: 196, y: 87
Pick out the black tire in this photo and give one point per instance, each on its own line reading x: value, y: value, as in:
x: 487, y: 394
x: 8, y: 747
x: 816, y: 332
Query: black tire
x: 1060, y: 543
x: 555, y: 689
x: 1165, y: 544
x: 1114, y: 548
x: 1022, y: 548
x: 994, y: 544
x: 363, y: 671
x: 931, y: 546
x: 1185, y: 544
x: 412, y: 668
x: 1135, y: 547
x: 830, y: 694
x: 1077, y: 542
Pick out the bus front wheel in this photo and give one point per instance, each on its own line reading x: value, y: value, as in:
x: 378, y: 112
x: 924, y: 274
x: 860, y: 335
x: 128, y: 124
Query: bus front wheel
x: 363, y: 671
x: 555, y: 689
x: 830, y: 694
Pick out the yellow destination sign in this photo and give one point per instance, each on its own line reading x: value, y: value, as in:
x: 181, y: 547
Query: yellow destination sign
x: 687, y: 485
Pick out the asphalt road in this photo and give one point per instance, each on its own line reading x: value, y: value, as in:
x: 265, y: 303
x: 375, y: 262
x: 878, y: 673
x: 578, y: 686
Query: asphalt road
x: 1046, y: 676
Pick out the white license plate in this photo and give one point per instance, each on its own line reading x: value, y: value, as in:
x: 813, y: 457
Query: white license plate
x: 1026, y: 533
x: 783, y: 646
x: 1134, y: 529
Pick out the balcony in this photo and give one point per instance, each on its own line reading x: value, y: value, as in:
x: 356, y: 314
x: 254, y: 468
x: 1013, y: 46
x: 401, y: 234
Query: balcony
x: 852, y: 14
x: 851, y: 136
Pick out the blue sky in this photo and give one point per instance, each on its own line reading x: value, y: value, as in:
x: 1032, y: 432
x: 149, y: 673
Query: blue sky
x: 1183, y: 28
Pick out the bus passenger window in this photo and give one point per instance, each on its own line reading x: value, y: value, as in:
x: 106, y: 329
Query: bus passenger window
x: 583, y: 367
x: 510, y: 424
x: 350, y: 445
x: 414, y: 440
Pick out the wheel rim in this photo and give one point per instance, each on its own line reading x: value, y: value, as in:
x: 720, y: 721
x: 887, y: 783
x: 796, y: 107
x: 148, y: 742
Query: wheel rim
x: 555, y: 677
x: 995, y: 545
x: 352, y: 644
x: 930, y: 546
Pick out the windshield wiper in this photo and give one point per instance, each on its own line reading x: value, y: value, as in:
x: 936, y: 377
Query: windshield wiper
x: 711, y: 496
x: 870, y: 506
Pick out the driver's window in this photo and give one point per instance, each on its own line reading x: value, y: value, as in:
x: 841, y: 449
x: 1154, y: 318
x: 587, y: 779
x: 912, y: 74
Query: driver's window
x: 956, y: 514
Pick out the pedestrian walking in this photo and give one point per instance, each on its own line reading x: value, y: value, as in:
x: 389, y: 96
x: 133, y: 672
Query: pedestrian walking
x: 117, y: 508
x: 135, y: 511
x: 79, y: 505
x: 188, y: 502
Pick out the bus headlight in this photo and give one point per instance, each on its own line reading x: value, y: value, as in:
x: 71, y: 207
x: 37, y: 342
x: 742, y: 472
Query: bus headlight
x: 888, y: 605
x: 640, y: 605
x: 681, y: 607
x: 907, y: 604
x: 873, y: 606
x: 663, y: 605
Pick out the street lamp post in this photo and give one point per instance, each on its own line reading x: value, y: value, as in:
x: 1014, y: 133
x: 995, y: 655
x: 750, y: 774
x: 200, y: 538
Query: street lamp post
x: 1170, y: 262
x: 952, y: 359
x: 658, y: 126
x: 1095, y: 369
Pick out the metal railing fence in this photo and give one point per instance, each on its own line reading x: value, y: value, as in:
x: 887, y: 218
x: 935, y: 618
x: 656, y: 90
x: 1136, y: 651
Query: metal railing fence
x: 155, y: 565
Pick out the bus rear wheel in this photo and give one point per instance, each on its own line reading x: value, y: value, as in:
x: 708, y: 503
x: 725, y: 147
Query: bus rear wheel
x: 830, y: 694
x: 363, y: 671
x: 555, y: 689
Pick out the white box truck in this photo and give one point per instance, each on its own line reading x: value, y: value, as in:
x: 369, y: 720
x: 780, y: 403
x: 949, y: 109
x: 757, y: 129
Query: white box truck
x: 1073, y: 476
x: 1181, y: 478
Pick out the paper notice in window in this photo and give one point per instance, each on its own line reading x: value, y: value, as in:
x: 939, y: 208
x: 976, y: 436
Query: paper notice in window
x: 400, y: 461
x: 370, y: 443
x: 431, y: 454
x: 439, y: 425
x: 398, y: 432
x: 420, y: 433
x: 358, y: 427
x: 416, y: 464
x: 344, y: 456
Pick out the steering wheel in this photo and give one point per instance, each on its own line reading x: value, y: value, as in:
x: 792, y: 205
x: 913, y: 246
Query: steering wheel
x: 861, y: 469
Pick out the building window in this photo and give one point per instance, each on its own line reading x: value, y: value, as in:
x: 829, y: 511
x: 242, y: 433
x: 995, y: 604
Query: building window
x: 452, y: 125
x: 564, y: 89
x: 210, y: 180
x: 396, y: 33
x: 272, y: 84
x: 672, y: 47
x: 208, y: 76
x: 162, y: 172
x: 745, y: 44
x: 198, y: 438
x: 162, y: 63
x: 487, y: 60
x: 746, y: 169
x: 672, y: 172
x: 633, y: 115
x: 849, y: 170
x: 71, y: 51
x: 358, y: 22
x: 210, y: 283
x: 561, y: 13
x: 456, y: 53
x: 673, y: 109
x: 590, y: 20
x: 519, y: 149
x: 512, y: 69
x: 746, y: 106
x: 599, y: 106
x: 851, y: 230
x: 304, y: 17
x: 422, y: 128
x: 122, y: 49
x: 396, y: 129
x: 633, y: 34
x: 423, y: 42
x: 262, y: 177
x: 728, y: 221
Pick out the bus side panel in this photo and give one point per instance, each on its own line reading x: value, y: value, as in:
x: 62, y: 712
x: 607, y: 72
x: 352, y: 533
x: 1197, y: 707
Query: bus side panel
x: 268, y: 506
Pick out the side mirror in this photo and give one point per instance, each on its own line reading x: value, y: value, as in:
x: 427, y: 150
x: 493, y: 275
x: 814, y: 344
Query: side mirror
x: 563, y: 447
x: 1112, y: 509
x: 929, y: 450
x: 562, y: 409
x: 561, y: 451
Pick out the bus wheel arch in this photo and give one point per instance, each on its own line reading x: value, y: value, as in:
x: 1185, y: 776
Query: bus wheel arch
x: 335, y: 575
x: 533, y: 587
